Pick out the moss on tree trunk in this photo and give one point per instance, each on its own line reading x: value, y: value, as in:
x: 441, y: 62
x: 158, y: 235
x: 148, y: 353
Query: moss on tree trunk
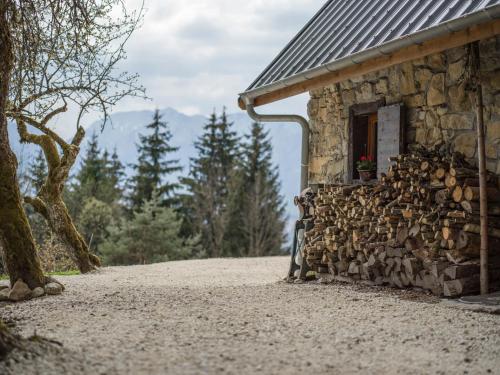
x: 62, y: 225
x: 19, y: 253
x: 49, y: 202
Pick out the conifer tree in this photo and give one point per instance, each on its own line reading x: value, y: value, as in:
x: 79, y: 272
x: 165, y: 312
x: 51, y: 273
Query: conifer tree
x: 153, y: 166
x: 116, y: 172
x: 111, y: 189
x: 94, y: 199
x: 37, y: 172
x: 100, y: 176
x: 92, y: 171
x: 262, y: 207
x: 151, y: 236
x: 208, y: 183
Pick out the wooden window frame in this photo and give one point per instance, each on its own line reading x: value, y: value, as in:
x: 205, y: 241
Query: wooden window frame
x: 358, y: 110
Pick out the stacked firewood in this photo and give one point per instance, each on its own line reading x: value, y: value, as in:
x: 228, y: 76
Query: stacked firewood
x: 417, y: 227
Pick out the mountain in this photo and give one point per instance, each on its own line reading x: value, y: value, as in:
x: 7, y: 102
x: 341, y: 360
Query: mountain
x: 124, y: 129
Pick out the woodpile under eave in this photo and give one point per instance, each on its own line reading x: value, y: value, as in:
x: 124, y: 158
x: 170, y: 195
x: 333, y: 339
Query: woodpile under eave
x: 417, y: 227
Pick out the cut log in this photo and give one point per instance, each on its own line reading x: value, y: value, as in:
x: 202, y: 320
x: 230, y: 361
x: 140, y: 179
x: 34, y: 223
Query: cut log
x: 474, y: 208
x: 455, y: 257
x: 474, y: 228
x: 450, y: 233
x: 354, y: 269
x: 461, y: 271
x: 414, y: 231
x: 412, y: 267
x: 463, y: 172
x: 402, y: 235
x: 474, y: 182
x: 472, y: 194
x: 460, y: 287
x: 432, y: 283
x: 450, y: 181
x: 396, y: 280
x: 442, y: 196
x: 469, y: 244
x: 439, y: 174
x: 437, y: 268
x: 458, y: 194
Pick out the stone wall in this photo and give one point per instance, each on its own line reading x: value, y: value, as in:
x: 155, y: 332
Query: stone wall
x: 439, y: 107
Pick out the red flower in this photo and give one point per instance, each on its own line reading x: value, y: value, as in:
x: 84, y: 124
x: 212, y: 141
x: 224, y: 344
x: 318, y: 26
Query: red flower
x: 370, y: 158
x: 363, y: 158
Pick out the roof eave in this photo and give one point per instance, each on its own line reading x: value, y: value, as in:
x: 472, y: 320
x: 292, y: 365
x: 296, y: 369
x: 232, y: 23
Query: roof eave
x: 458, y: 24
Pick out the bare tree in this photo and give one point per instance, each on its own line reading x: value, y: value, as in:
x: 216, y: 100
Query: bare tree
x: 65, y: 53
x: 71, y: 58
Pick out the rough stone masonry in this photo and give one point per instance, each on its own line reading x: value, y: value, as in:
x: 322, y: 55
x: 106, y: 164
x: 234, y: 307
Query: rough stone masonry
x: 439, y: 107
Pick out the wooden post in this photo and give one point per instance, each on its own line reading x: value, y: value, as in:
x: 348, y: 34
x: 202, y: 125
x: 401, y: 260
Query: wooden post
x: 483, y: 200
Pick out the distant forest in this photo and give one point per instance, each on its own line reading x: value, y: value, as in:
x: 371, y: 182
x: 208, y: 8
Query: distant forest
x: 60, y: 215
x: 228, y: 203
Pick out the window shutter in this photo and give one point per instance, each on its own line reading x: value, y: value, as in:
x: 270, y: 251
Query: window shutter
x: 390, y: 135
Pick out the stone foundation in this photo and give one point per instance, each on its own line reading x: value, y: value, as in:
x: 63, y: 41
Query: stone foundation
x: 439, y: 107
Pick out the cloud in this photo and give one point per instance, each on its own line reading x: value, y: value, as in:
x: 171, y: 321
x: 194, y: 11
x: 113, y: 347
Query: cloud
x: 198, y: 55
x: 202, y: 53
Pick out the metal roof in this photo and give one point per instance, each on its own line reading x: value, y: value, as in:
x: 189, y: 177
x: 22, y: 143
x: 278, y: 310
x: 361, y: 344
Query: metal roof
x: 345, y: 28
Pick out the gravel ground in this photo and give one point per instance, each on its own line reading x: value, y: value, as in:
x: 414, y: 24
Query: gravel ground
x: 236, y: 317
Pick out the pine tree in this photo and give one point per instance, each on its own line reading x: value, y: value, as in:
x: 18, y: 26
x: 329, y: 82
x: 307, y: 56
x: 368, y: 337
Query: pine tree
x: 100, y: 176
x: 111, y: 189
x: 93, y: 222
x: 153, y: 166
x: 37, y: 172
x: 116, y: 172
x: 151, y: 236
x: 92, y: 172
x: 262, y: 207
x: 208, y: 184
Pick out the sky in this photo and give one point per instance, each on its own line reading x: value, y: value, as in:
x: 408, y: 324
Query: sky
x: 197, y: 55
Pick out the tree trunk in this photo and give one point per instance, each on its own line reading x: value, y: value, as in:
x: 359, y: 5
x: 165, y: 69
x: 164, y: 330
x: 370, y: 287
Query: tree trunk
x: 63, y: 225
x: 49, y: 202
x: 19, y: 252
x: 56, y: 213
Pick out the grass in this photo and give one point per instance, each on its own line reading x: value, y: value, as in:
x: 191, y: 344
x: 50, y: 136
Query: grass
x: 64, y: 273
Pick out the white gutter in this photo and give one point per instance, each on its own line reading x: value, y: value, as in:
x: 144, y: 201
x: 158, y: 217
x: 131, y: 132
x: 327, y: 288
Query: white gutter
x: 482, y: 16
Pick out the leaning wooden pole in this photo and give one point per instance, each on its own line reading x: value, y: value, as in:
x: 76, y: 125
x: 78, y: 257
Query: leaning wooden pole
x: 483, y: 199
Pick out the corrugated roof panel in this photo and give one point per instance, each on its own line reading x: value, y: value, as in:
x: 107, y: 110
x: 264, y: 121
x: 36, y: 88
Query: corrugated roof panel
x: 345, y: 27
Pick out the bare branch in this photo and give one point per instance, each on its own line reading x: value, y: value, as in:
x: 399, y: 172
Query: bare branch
x: 67, y: 51
x: 41, y: 125
x: 38, y: 205
x: 44, y: 141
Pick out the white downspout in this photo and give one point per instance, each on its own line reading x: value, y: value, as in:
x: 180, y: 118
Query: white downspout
x: 304, y: 168
x: 298, y: 267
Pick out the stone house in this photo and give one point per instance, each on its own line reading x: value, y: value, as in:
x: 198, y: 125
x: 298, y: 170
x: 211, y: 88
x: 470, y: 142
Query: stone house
x: 384, y: 75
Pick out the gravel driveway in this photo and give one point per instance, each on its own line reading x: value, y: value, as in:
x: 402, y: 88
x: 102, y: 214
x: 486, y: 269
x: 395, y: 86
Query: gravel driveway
x: 236, y: 317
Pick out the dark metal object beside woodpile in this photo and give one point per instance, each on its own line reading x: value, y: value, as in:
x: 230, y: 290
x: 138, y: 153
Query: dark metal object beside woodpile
x: 417, y: 227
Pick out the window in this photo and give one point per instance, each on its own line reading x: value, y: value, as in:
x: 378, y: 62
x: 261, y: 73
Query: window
x: 364, y: 139
x: 374, y: 130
